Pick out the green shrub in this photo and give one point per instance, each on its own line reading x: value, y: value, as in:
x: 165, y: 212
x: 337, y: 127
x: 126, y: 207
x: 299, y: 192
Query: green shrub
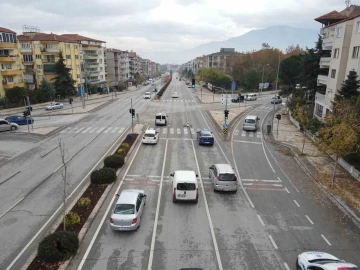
x: 354, y: 160
x: 121, y: 152
x: 84, y: 202
x: 125, y: 146
x: 58, y: 247
x: 103, y: 176
x: 72, y: 218
x: 114, y: 161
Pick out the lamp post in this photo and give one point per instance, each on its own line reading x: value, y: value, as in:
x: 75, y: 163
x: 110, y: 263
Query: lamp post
x: 277, y: 80
x: 262, y: 80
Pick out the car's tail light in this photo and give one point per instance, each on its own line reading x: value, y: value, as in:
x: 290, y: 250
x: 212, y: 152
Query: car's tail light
x: 134, y: 221
x: 174, y: 191
x: 144, y: 137
x: 111, y: 220
x: 217, y: 179
x: 235, y: 178
x: 197, y: 192
x: 155, y: 138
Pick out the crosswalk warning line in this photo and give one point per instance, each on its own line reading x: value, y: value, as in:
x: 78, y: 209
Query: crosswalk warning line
x: 186, y: 131
x: 192, y: 131
x: 93, y: 129
x: 178, y: 131
x: 114, y: 129
x: 243, y: 133
x: 121, y: 130
x: 100, y: 130
x: 171, y: 130
x: 86, y: 130
x: 164, y: 130
x: 80, y: 129
x: 107, y: 130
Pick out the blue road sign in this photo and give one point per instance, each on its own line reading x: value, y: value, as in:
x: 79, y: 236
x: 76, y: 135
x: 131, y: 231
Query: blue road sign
x: 233, y: 85
x: 225, y: 126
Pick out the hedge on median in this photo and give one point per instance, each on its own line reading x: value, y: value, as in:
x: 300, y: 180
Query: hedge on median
x: 114, y: 161
x: 103, y: 176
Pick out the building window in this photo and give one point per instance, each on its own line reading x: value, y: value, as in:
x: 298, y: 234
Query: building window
x: 28, y: 58
x: 6, y: 66
x: 25, y: 46
x: 75, y: 46
x: 101, y: 77
x: 319, y: 110
x: 8, y: 38
x: 101, y: 69
x: 39, y: 66
x: 100, y: 61
x: 68, y: 56
x: 76, y: 57
x: 358, y: 27
x: 339, y: 31
x: 67, y: 46
x: 336, y: 53
x: 38, y: 56
x: 333, y: 73
x: 78, y: 76
x: 355, y: 53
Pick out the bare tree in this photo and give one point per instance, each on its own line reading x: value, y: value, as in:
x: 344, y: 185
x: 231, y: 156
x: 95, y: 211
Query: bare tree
x: 65, y: 175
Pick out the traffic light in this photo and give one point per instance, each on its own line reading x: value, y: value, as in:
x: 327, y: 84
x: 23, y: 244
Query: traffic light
x: 133, y: 113
x: 26, y: 113
x: 226, y: 114
x: 193, y: 83
x: 278, y: 116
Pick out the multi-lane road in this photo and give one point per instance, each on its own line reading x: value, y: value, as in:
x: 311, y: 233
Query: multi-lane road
x: 276, y: 214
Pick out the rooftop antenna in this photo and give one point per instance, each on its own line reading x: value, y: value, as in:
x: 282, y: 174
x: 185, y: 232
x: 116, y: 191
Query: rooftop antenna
x: 347, y: 3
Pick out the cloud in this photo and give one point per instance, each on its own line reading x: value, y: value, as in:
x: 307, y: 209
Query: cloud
x: 189, y: 2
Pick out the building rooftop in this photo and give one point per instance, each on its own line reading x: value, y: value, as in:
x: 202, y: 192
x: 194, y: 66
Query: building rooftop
x: 332, y: 18
x: 5, y: 30
x: 77, y: 37
x: 43, y: 37
x: 132, y: 54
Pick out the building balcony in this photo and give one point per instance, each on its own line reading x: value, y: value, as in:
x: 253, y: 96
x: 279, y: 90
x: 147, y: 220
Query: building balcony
x: 325, y: 62
x: 93, y: 80
x: 49, y: 68
x: 319, y: 98
x: 7, y: 58
x: 10, y: 72
x: 27, y: 62
x: 90, y: 48
x: 26, y: 50
x: 29, y: 70
x: 50, y: 50
x: 18, y: 83
x: 90, y: 56
x: 6, y: 45
x: 91, y: 72
x: 322, y: 79
x: 91, y: 65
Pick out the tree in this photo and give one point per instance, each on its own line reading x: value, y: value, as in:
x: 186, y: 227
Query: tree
x: 290, y: 70
x: 304, y: 116
x: 252, y: 79
x: 47, y: 89
x: 340, y: 133
x: 16, y: 94
x: 349, y: 88
x: 63, y: 82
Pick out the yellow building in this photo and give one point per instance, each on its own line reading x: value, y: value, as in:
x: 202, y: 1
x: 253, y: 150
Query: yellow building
x: 10, y: 61
x: 41, y: 51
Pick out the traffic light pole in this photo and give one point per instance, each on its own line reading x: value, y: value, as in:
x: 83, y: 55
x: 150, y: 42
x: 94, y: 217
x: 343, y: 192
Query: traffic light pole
x: 29, y: 109
x: 27, y: 122
x: 132, y: 119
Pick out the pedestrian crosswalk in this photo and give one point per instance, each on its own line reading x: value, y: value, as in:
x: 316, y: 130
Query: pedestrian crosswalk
x: 265, y: 108
x: 164, y: 100
x: 248, y: 134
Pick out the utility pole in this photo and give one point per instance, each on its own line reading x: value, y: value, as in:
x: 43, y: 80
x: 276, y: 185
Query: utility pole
x: 132, y: 119
x: 277, y: 79
x: 262, y: 82
x: 27, y: 122
x: 29, y: 109
x: 225, y: 104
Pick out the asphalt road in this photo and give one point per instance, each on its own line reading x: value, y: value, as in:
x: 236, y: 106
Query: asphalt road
x: 31, y: 183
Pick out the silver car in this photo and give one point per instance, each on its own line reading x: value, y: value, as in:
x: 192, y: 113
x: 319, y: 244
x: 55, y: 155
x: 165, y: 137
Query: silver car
x: 223, y: 177
x: 54, y: 106
x: 126, y: 215
x: 5, y: 125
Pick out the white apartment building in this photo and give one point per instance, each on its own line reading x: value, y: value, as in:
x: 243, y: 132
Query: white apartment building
x: 91, y: 58
x: 341, y: 38
x: 221, y: 60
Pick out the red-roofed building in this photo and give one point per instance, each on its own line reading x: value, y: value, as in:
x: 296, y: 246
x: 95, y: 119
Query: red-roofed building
x: 341, y: 39
x: 10, y: 61
x: 91, y: 57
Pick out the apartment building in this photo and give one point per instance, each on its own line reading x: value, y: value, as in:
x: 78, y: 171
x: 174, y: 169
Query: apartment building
x: 91, y: 58
x: 41, y: 51
x: 145, y: 66
x: 221, y: 60
x: 341, y: 39
x: 117, y: 65
x: 198, y: 63
x: 10, y: 61
x: 133, y: 64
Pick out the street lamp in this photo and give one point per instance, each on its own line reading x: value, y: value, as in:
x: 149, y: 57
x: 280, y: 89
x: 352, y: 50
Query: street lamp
x: 262, y: 80
x: 277, y: 80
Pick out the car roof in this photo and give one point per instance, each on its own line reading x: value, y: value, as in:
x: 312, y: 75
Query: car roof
x: 129, y: 196
x: 13, y: 116
x: 147, y: 93
x: 186, y: 176
x: 224, y: 168
x: 251, y: 117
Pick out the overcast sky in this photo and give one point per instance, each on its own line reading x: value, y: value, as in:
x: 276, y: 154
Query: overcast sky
x: 161, y: 25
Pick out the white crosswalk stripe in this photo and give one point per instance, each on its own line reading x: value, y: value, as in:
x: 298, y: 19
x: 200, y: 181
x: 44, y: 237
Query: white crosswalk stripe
x: 121, y: 130
x: 251, y: 134
x: 78, y: 131
x: 192, y: 131
x: 178, y: 131
x: 186, y: 131
x: 164, y: 131
x: 93, y: 129
x: 86, y: 130
x: 171, y: 130
x: 100, y: 130
x: 114, y: 129
x: 258, y: 134
x: 107, y: 130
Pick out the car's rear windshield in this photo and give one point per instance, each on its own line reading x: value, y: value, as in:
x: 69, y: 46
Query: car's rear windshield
x: 149, y: 135
x: 206, y: 134
x: 158, y: 117
x: 186, y: 186
x: 227, y: 177
x: 147, y: 93
x: 124, y: 209
x: 250, y: 121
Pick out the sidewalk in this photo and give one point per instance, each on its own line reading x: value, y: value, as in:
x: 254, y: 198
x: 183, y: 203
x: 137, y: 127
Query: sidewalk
x: 346, y: 192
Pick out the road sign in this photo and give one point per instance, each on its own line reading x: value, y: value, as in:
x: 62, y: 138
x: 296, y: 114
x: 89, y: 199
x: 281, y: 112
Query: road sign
x: 225, y: 126
x: 225, y: 131
x: 233, y: 85
x: 226, y: 98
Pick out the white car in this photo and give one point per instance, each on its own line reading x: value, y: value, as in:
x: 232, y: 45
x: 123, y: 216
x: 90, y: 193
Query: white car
x: 5, y: 125
x: 150, y: 137
x: 54, y: 106
x: 321, y: 261
x: 147, y: 95
x: 175, y: 95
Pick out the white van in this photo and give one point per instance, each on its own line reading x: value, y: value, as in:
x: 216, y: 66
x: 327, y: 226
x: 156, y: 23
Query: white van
x: 160, y: 119
x: 251, y: 123
x: 250, y: 97
x: 185, y: 186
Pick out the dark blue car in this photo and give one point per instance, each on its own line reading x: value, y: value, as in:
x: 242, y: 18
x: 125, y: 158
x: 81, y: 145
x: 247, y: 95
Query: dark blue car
x: 20, y: 120
x: 205, y: 137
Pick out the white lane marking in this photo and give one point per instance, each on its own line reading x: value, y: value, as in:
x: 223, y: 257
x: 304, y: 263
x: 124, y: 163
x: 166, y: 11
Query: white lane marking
x: 86, y: 130
x: 178, y: 131
x: 261, y: 221
x: 65, y: 130
x: 272, y: 181
x: 287, y: 190
x: 258, y: 134
x: 327, y: 241
x: 80, y: 129
x: 171, y: 130
x: 114, y: 129
x: 273, y: 242
x: 247, y: 142
x: 11, y: 207
x: 243, y: 133
x: 309, y: 220
x: 59, y: 208
x: 100, y: 130
x: 107, y: 130
x: 152, y: 247
x: 296, y: 203
x: 262, y: 142
x: 164, y: 130
x: 186, y: 131
x: 121, y: 130
x: 286, y: 266
x: 208, y: 212
x: 277, y: 163
x: 279, y: 179
x: 93, y: 129
x: 83, y: 259
x: 192, y: 131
